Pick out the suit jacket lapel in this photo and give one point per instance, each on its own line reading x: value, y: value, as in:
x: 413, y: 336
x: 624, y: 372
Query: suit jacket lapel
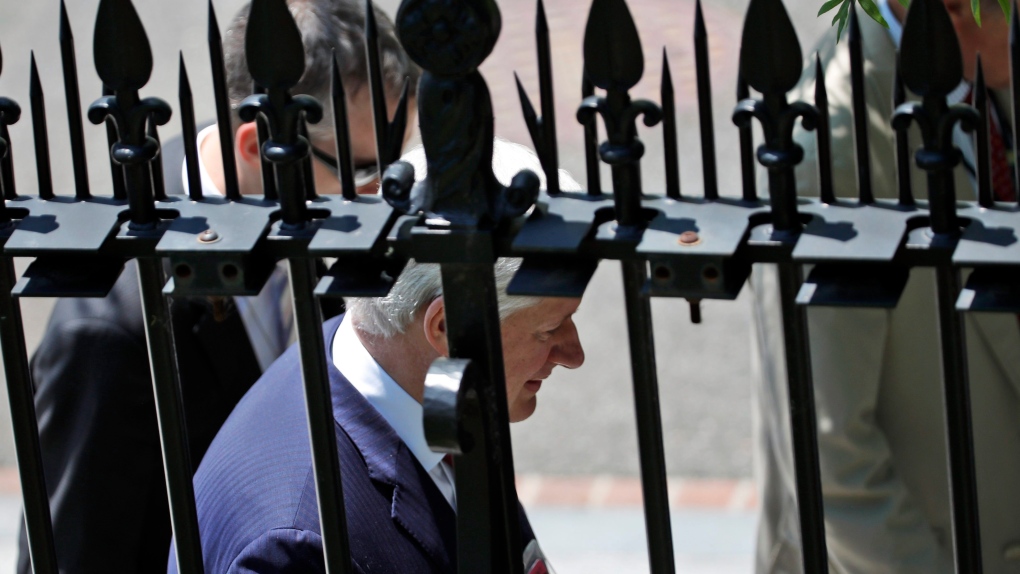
x: 418, y: 506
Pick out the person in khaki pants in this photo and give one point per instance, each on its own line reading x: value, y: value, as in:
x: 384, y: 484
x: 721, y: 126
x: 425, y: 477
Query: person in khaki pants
x: 877, y: 372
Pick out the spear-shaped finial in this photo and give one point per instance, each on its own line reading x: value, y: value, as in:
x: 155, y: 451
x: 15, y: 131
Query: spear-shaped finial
x: 670, y: 148
x: 705, y: 115
x: 188, y: 133
x: 221, y: 96
x: 824, y: 135
x: 865, y: 194
x: 986, y: 195
x: 42, y: 148
x: 73, y: 103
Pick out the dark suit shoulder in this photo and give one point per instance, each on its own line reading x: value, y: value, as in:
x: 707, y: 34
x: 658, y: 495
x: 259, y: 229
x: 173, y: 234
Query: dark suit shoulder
x: 120, y: 309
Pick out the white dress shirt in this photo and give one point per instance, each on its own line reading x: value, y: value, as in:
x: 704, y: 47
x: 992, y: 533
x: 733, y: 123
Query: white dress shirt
x: 401, y: 410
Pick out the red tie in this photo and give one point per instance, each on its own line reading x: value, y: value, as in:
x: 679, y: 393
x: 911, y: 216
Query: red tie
x: 1002, y: 154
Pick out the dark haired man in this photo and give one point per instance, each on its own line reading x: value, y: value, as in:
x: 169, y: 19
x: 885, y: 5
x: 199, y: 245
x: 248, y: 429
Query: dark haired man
x: 97, y: 422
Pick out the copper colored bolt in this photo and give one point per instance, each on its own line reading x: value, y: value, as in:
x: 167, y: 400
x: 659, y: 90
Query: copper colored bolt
x: 208, y: 236
x: 689, y: 238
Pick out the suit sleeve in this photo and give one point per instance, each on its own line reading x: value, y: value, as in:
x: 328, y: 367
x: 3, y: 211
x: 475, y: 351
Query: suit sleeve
x: 100, y: 445
x: 283, y: 551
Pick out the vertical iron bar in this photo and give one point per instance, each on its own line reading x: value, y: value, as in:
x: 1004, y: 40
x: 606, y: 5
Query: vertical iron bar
x: 170, y: 412
x: 341, y: 132
x: 591, y: 143
x: 906, y: 192
x: 380, y: 116
x: 188, y: 134
x: 747, y: 169
x: 1014, y: 76
x: 72, y: 97
x: 7, y: 163
x: 549, y: 155
x: 307, y: 175
x: 223, y: 117
x: 959, y: 424
x: 321, y: 426
x: 865, y: 194
x: 156, y: 165
x: 984, y: 176
x: 116, y: 171
x: 473, y: 332
x: 824, y: 135
x: 705, y: 104
x: 670, y: 147
x: 268, y: 169
x: 649, y: 418
x: 38, y: 523
x: 42, y: 146
x: 803, y: 423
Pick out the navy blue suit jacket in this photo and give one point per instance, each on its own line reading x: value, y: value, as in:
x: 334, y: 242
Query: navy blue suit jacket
x: 255, y: 488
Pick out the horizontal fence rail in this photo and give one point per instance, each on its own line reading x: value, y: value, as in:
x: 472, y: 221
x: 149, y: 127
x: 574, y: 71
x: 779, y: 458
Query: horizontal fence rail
x: 671, y: 244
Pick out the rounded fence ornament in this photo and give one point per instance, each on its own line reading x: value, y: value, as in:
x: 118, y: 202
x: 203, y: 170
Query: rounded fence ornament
x: 448, y: 37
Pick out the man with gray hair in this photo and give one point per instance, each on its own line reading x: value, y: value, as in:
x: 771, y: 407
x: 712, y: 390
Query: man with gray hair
x: 256, y: 498
x: 97, y: 424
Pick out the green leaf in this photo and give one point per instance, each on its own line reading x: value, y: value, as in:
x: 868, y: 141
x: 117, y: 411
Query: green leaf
x: 907, y: 2
x: 833, y: 3
x: 872, y: 10
x: 975, y: 6
x: 842, y: 15
x: 1006, y: 5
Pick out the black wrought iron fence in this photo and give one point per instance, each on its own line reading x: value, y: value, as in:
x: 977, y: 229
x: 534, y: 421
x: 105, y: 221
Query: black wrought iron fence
x: 695, y: 246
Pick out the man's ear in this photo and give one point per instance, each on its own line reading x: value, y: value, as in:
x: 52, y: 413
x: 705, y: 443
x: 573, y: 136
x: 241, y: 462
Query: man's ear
x: 434, y: 323
x: 246, y: 147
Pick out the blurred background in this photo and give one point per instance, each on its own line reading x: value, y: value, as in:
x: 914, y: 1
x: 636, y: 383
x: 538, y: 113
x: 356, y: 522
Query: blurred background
x: 577, y: 456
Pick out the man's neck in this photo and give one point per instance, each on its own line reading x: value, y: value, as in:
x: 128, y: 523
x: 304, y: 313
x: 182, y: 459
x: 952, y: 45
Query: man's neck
x: 405, y: 357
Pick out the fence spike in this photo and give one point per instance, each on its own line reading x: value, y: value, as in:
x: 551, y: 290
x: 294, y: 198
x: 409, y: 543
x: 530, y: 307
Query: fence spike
x: 986, y: 195
x: 708, y: 164
x: 906, y: 192
x: 398, y: 127
x: 860, y: 110
x: 307, y: 175
x: 530, y: 117
x: 549, y: 154
x: 670, y: 148
x: 42, y: 147
x: 221, y: 96
x: 188, y: 133
x: 380, y: 115
x: 824, y: 135
x: 341, y: 132
x: 268, y: 171
x: 116, y: 170
x: 747, y: 172
x: 72, y: 98
x: 932, y: 64
x: 591, y: 141
x: 1014, y: 75
x: 276, y: 59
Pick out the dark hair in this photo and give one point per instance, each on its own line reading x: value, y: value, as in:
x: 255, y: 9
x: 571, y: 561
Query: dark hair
x: 326, y: 25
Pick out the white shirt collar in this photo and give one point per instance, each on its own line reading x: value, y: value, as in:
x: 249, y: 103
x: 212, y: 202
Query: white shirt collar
x: 401, y: 410
x: 895, y: 28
